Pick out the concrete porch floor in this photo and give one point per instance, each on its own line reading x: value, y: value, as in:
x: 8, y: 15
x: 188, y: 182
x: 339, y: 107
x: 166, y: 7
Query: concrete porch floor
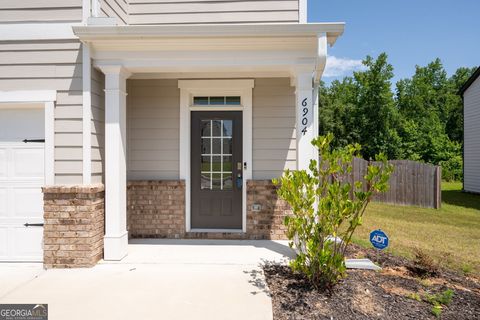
x: 159, y: 279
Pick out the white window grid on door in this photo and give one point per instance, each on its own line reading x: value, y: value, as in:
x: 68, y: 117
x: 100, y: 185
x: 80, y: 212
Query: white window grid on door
x: 221, y: 155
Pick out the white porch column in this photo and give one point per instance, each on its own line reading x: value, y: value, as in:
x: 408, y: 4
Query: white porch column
x: 116, y: 237
x: 305, y: 119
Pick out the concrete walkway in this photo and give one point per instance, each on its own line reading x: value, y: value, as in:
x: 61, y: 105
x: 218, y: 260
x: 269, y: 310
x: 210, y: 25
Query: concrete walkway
x: 159, y: 279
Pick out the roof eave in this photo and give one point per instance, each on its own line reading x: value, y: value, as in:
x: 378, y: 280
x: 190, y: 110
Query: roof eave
x: 96, y: 32
x: 469, y: 82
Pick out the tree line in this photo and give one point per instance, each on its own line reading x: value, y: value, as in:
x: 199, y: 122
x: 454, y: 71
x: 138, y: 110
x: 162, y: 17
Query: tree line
x: 420, y: 119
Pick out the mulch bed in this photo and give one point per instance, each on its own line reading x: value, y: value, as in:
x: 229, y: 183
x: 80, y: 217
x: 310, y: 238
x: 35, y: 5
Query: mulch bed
x: 364, y: 294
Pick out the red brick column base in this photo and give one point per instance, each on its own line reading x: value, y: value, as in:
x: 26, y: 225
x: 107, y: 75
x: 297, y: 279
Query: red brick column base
x: 74, y: 226
x: 156, y: 209
x: 267, y: 223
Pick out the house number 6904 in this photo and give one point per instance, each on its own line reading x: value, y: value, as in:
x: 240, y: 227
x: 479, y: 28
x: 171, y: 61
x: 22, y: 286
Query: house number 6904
x: 304, y: 116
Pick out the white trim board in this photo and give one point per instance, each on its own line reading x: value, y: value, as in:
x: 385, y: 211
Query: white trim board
x: 45, y: 99
x: 189, y: 88
x: 37, y: 31
x: 86, y: 116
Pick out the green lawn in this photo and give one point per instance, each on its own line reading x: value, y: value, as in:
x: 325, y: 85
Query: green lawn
x: 450, y: 235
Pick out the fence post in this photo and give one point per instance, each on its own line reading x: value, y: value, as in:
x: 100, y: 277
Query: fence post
x: 438, y: 188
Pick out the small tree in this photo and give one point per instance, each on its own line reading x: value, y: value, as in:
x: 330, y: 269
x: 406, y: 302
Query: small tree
x: 327, y: 207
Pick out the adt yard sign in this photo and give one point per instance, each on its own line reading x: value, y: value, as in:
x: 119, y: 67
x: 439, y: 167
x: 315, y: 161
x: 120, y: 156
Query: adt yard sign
x: 379, y: 239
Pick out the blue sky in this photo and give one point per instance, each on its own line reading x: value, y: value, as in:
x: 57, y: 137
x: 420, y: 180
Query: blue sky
x: 411, y: 32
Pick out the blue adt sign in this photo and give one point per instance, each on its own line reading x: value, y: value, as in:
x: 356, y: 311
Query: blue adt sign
x: 379, y: 239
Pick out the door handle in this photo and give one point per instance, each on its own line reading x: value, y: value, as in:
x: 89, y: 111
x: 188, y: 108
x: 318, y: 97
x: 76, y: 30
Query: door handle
x: 33, y: 224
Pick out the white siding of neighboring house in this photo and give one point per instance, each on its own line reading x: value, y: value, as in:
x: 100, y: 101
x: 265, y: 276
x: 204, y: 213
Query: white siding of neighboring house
x: 471, y: 99
x: 144, y: 12
x: 274, y: 142
x: 25, y: 11
x: 51, y: 65
x: 98, y: 126
x: 153, y: 129
x: 115, y: 9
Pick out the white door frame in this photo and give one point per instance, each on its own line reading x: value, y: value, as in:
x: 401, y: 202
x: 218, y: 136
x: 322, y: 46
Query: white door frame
x: 39, y: 99
x: 227, y: 87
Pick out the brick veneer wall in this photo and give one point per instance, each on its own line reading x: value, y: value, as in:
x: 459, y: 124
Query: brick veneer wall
x: 268, y: 222
x: 156, y: 209
x: 73, y: 226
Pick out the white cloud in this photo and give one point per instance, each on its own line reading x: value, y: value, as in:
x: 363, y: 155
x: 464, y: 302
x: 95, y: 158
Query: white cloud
x: 338, y: 67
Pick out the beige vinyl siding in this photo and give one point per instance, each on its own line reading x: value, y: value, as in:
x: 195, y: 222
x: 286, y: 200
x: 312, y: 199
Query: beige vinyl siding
x: 24, y: 11
x: 274, y: 142
x: 145, y: 12
x: 51, y: 65
x: 98, y: 126
x: 153, y: 120
x: 471, y: 100
x: 115, y: 9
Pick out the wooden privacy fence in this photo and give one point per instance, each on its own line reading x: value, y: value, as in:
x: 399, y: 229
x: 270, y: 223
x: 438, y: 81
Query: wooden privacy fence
x: 411, y: 183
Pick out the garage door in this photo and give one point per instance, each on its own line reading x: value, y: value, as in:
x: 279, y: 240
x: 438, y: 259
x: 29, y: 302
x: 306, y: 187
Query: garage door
x: 21, y: 178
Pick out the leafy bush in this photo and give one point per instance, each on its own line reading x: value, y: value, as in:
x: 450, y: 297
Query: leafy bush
x: 327, y: 207
x: 452, y: 169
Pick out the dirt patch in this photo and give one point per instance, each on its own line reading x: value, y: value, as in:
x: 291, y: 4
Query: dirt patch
x: 387, y: 294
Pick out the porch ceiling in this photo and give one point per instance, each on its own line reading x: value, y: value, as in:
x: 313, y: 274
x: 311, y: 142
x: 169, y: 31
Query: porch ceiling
x: 269, y: 49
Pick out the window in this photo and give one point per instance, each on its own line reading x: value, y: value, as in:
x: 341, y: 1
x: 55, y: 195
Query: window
x: 217, y: 101
x: 216, y: 157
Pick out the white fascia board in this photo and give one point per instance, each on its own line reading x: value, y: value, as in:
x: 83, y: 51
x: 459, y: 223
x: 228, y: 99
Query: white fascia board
x: 37, y: 31
x: 28, y: 96
x: 90, y: 33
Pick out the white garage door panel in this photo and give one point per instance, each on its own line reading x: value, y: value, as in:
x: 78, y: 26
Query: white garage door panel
x: 28, y: 163
x: 21, y: 178
x: 27, y: 201
x: 27, y: 243
x: 3, y: 243
x: 3, y: 203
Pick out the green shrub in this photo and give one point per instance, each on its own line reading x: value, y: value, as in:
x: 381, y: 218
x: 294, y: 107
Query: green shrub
x: 327, y: 205
x: 452, y: 169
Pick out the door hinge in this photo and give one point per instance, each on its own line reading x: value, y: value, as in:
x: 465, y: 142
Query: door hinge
x: 33, y: 140
x: 33, y: 224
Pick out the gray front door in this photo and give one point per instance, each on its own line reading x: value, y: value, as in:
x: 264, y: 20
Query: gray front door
x: 216, y: 170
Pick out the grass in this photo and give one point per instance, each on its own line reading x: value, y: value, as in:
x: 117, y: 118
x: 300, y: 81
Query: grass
x: 450, y: 235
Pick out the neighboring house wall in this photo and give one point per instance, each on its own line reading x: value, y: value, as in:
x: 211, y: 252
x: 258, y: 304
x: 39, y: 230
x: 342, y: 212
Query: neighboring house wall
x: 115, y: 9
x: 51, y: 65
x: 143, y: 12
x: 471, y: 99
x: 98, y: 126
x: 22, y: 11
x: 153, y: 110
x: 153, y: 129
x: 274, y: 142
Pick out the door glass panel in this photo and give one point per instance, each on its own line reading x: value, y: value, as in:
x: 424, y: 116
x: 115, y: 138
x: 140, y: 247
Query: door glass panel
x: 206, y: 164
x: 227, y: 146
x: 216, y: 164
x: 227, y: 128
x: 217, y: 128
x: 206, y: 128
x: 216, y: 158
x: 216, y: 181
x: 206, y: 145
x: 205, y: 181
x: 216, y: 146
x: 227, y: 164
